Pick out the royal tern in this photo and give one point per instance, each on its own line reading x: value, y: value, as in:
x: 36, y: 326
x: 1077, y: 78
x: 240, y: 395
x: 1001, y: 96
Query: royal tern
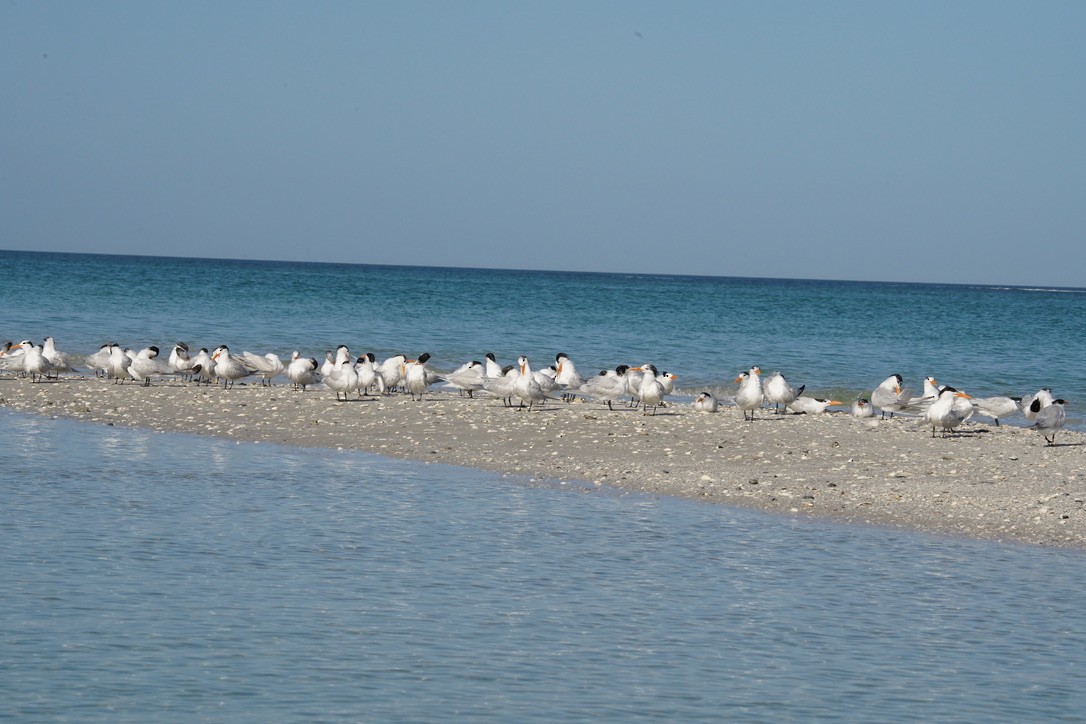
x: 493, y: 369
x: 368, y: 376
x: 667, y: 379
x: 608, y: 385
x: 633, y: 386
x: 889, y: 396
x: 945, y: 413
x: 61, y: 361
x: 502, y: 385
x: 329, y: 364
x: 392, y: 371
x: 929, y: 395
x: 749, y: 397
x: 468, y: 377
x: 180, y: 361
x: 119, y: 362
x: 268, y: 366
x: 996, y: 407
x: 1050, y: 419
x: 1033, y: 404
x: 35, y: 363
x: 99, y: 361
x: 779, y: 391
x: 963, y: 406
x: 203, y: 366
x: 651, y: 391
x: 546, y: 379
x: 12, y: 358
x: 343, y: 379
x: 228, y: 368
x: 526, y: 386
x: 302, y: 371
x: 862, y: 408
x: 705, y: 402
x: 417, y: 377
x: 567, y: 376
x: 810, y: 405
x: 146, y: 365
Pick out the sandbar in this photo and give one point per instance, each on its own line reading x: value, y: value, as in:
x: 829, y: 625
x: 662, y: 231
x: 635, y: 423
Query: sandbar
x: 990, y: 482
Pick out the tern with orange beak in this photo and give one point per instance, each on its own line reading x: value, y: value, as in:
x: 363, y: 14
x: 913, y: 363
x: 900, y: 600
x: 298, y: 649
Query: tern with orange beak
x: 944, y: 413
x: 652, y: 391
x: 890, y: 396
x: 749, y: 397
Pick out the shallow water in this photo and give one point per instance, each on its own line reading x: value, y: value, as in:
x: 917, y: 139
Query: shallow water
x: 155, y: 576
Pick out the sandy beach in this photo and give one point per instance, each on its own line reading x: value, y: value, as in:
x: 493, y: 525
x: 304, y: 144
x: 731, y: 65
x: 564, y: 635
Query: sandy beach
x: 998, y: 483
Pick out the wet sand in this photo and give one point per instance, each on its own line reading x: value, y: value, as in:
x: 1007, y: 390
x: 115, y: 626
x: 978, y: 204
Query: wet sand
x: 989, y: 482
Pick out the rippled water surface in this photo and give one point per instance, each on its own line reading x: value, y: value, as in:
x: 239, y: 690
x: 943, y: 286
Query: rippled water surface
x: 161, y: 577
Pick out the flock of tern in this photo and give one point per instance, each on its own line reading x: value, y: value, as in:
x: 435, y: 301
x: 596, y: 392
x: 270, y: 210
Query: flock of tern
x: 645, y: 387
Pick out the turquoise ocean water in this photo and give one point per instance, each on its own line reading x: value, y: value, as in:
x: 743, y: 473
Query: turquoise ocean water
x: 166, y: 577
x: 838, y: 338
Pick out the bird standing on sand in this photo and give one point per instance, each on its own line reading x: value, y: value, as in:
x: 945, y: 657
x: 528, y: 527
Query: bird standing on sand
x: 61, y: 361
x: 608, y: 385
x: 99, y: 361
x: 268, y: 366
x: 343, y: 379
x: 119, y: 362
x: 996, y: 407
x: 1033, y: 404
x: 468, y: 377
x: 1050, y: 419
x: 945, y: 413
x: 146, y: 365
x: 392, y: 371
x: 302, y: 371
x: 889, y: 396
x: 779, y: 391
x: 417, y: 377
x: 749, y: 397
x: 180, y: 361
x: 526, y: 387
x: 35, y: 363
x: 502, y: 385
x: 203, y: 366
x: 227, y: 368
x: 368, y: 376
x: 652, y: 390
x: 567, y: 376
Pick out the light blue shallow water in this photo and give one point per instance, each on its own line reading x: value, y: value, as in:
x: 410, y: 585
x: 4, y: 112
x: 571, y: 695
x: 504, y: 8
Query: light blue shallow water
x: 839, y: 338
x: 161, y: 577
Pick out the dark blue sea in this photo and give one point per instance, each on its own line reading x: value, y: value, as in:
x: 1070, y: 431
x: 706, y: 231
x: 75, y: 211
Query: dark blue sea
x: 161, y: 577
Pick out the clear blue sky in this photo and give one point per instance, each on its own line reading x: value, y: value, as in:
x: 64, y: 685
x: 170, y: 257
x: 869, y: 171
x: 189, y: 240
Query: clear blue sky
x: 919, y: 141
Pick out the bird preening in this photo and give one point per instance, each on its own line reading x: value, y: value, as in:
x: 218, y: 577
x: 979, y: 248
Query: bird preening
x: 643, y: 387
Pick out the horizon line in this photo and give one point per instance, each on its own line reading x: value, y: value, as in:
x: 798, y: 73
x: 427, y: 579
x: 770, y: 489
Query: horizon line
x: 556, y: 271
